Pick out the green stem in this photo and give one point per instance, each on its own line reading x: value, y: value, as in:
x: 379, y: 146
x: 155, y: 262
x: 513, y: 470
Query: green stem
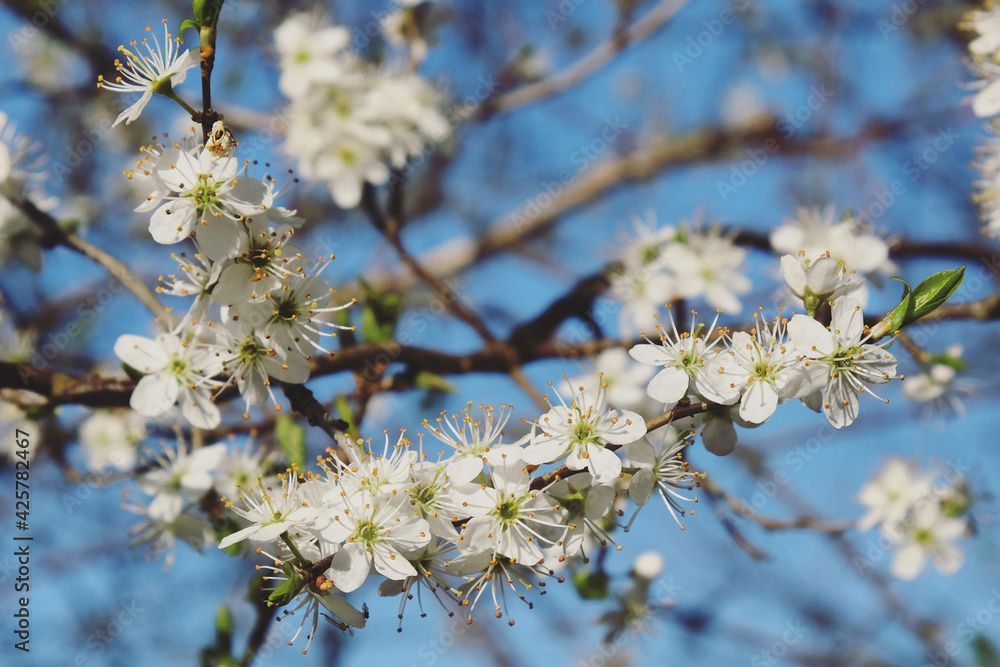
x: 184, y: 105
x: 303, y: 562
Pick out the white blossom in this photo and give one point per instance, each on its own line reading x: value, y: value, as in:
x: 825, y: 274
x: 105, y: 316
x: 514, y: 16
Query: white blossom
x: 176, y: 373
x: 839, y: 358
x: 376, y: 533
x: 754, y: 369
x: 270, y: 515
x: 180, y: 477
x: 682, y: 356
x: 581, y: 431
x: 153, y: 72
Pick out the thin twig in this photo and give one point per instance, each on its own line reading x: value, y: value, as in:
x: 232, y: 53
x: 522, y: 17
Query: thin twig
x: 582, y: 69
x: 56, y: 235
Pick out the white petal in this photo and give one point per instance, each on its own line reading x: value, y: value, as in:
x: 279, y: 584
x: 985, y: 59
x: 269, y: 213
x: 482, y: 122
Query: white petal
x: 908, y: 562
x: 340, y: 608
x: 220, y: 238
x: 238, y: 536
x: 628, y: 427
x: 987, y: 102
x: 650, y: 354
x: 947, y: 558
x: 198, y: 409
x: 135, y: 110
x: 840, y: 403
x: 165, y: 507
x: 810, y: 337
x: 847, y: 320
x: 669, y: 385
x: 155, y: 394
x: 390, y: 563
x: 719, y: 437
x: 172, y: 222
x: 350, y: 567
x: 795, y: 277
x: 142, y: 354
x: 603, y: 464
x: 544, y: 449
x: 641, y: 486
x: 759, y: 402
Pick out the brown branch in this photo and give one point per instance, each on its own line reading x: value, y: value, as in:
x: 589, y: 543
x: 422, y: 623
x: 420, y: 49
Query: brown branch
x: 582, y: 69
x: 656, y: 156
x: 56, y: 235
x: 770, y: 523
x: 301, y: 399
x: 388, y: 226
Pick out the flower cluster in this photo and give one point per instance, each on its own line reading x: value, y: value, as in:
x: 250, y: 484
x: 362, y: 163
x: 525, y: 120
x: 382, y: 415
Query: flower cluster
x: 813, y: 235
x: 985, y: 65
x: 483, y: 514
x: 473, y: 518
x: 179, y: 481
x: 273, y: 313
x: 771, y: 363
x: 920, y: 513
x: 687, y: 262
x: 350, y: 120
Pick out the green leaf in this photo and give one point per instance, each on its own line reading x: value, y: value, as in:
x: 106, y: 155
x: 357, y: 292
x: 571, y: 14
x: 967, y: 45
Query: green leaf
x: 433, y: 382
x: 986, y: 652
x: 380, y: 313
x: 288, y: 589
x: 224, y: 628
x: 592, y: 585
x: 291, y: 439
x: 134, y: 374
x: 935, y: 290
x: 344, y: 412
x: 929, y: 295
x: 185, y: 24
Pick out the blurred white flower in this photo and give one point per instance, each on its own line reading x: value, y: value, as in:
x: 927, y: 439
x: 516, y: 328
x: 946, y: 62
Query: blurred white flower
x: 929, y: 536
x: 110, y: 439
x: 987, y: 23
x: 626, y: 378
x: 890, y: 494
x: 936, y: 386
